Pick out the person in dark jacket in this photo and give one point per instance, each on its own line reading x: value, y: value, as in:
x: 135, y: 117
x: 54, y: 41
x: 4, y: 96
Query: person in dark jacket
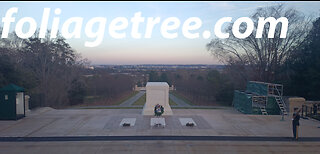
x: 295, y: 123
x: 315, y: 109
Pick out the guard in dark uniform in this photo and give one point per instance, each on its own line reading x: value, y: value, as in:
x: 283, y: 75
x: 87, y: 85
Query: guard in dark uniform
x: 295, y: 123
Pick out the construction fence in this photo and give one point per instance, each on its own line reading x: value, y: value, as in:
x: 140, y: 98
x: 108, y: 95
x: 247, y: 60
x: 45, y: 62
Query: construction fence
x: 259, y: 98
x: 243, y: 102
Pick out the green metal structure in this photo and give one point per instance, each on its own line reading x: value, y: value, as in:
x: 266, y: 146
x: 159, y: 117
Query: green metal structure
x: 242, y: 102
x: 260, y: 98
x: 12, y: 105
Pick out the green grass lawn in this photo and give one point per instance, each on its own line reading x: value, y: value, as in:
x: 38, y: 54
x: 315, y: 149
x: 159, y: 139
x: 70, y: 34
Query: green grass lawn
x: 181, y: 97
x: 92, y: 99
x: 172, y: 103
x: 142, y: 100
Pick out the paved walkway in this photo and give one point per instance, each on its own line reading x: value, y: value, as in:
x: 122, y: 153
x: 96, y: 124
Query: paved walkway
x: 156, y: 138
x: 178, y: 101
x: 160, y: 147
x: 130, y: 101
x: 128, y: 104
x: 133, y: 99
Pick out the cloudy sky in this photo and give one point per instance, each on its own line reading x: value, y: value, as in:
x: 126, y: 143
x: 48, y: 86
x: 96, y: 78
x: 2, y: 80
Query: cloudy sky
x: 154, y: 50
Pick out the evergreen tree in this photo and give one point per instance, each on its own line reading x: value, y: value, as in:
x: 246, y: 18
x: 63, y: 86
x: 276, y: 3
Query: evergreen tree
x: 305, y: 66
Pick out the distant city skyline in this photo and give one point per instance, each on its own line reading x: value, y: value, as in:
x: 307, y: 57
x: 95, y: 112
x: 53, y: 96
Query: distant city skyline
x: 155, y: 50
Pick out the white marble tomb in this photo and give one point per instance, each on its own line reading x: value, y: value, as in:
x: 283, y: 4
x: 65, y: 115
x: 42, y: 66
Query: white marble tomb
x: 157, y: 93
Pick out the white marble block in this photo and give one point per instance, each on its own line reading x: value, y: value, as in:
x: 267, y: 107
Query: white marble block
x: 159, y: 121
x: 130, y: 121
x: 157, y: 93
x: 184, y: 121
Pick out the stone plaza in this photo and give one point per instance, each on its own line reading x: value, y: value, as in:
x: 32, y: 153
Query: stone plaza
x: 48, y: 122
x: 101, y: 122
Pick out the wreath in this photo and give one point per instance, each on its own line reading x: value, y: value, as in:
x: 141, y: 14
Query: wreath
x: 158, y: 110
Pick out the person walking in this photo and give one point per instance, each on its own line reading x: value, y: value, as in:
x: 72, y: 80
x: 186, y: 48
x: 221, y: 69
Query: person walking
x: 295, y: 123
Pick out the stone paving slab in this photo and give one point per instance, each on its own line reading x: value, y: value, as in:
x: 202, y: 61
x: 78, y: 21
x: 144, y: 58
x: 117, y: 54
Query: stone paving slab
x: 218, y: 131
x: 155, y: 138
x: 157, y: 121
x: 145, y: 147
x: 105, y: 122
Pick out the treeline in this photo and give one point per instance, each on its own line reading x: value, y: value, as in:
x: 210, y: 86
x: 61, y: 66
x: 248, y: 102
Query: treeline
x: 293, y: 61
x: 105, y: 88
x: 53, y: 73
x: 303, y: 66
x: 201, y: 87
x: 49, y: 69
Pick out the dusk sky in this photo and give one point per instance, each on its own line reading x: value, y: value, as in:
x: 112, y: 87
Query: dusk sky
x: 154, y: 50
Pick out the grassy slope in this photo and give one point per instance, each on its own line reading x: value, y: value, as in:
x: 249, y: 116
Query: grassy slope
x: 127, y: 97
x: 181, y: 97
x: 99, y: 100
x: 141, y: 100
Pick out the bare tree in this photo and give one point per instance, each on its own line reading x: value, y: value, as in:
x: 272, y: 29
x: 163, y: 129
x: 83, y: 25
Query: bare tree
x: 260, y: 58
x: 55, y: 66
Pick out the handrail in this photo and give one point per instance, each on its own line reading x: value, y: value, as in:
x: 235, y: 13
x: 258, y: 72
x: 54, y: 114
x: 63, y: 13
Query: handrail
x: 280, y: 97
x: 279, y: 94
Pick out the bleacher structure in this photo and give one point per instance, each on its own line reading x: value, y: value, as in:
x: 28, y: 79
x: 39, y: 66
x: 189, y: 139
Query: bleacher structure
x: 260, y: 98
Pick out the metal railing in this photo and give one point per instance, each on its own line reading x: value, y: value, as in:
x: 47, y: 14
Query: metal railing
x: 284, y: 110
x: 311, y: 111
x: 259, y: 101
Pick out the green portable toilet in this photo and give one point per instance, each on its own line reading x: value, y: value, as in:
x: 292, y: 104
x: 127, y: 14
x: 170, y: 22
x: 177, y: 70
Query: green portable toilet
x: 12, y: 105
